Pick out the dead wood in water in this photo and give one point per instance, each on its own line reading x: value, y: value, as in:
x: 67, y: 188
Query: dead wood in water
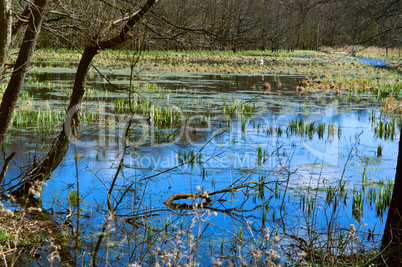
x: 5, y: 166
x: 170, y: 201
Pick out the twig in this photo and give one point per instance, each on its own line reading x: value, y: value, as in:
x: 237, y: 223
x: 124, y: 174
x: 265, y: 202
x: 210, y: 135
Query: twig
x: 5, y: 166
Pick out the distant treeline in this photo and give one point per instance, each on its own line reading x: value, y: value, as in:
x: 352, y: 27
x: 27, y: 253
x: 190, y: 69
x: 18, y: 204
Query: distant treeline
x: 263, y: 24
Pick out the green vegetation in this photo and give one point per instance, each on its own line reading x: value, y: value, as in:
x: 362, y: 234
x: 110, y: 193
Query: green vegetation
x: 300, y: 127
x: 5, y: 238
x: 19, y: 237
x: 335, y: 71
x: 277, y: 202
x: 73, y: 198
x: 156, y: 106
x: 386, y: 130
x: 190, y: 157
x: 238, y: 108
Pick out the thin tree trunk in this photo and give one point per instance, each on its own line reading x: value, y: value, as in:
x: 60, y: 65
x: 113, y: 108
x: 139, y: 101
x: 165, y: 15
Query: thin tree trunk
x: 42, y: 172
x: 392, y: 239
x: 5, y: 32
x: 16, y: 83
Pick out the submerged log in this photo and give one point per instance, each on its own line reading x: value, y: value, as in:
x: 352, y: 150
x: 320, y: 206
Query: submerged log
x: 170, y: 201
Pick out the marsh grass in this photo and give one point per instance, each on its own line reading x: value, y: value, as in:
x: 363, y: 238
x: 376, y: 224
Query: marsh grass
x: 45, y: 120
x: 238, y: 108
x: 301, y: 127
x: 333, y: 245
x: 386, y: 129
x: 383, y: 199
x: 183, y: 237
x: 331, y: 69
x: 392, y: 54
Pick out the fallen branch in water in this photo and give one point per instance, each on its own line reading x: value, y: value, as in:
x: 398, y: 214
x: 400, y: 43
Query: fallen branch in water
x: 205, y: 195
x: 5, y: 166
x: 170, y: 200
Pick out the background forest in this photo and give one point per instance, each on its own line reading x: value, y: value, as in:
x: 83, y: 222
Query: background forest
x: 244, y: 25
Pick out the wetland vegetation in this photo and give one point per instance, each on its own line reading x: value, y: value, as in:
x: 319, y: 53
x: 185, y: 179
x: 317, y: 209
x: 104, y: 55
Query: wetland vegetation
x: 207, y: 151
x: 228, y: 133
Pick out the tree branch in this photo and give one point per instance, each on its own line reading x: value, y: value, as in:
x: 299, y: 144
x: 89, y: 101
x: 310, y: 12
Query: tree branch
x: 122, y: 37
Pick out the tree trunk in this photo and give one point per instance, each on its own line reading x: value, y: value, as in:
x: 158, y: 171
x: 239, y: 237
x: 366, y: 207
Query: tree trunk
x: 5, y: 32
x: 392, y: 239
x: 34, y: 184
x: 16, y: 83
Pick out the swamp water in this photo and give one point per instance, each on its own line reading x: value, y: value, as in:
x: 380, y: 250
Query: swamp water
x: 304, y: 165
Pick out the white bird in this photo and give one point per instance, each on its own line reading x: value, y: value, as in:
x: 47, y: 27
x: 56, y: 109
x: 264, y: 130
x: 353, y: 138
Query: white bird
x: 261, y: 62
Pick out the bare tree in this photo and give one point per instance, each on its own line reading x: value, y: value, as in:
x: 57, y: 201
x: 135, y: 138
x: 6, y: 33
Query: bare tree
x: 5, y: 32
x: 275, y: 25
x: 43, y: 171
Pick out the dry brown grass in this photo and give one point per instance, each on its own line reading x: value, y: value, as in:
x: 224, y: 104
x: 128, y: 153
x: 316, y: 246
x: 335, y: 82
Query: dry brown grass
x: 367, y: 50
x: 392, y: 106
